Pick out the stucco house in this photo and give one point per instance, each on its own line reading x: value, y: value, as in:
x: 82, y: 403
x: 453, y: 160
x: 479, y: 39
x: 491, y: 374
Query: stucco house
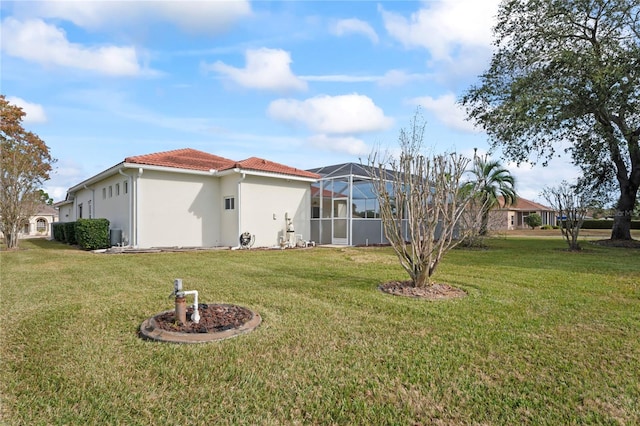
x: 190, y: 198
x: 512, y: 216
x: 39, y: 224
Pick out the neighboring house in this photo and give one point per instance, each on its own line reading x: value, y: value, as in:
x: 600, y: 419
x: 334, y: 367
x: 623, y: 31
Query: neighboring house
x: 39, y: 224
x: 190, y: 198
x: 512, y: 216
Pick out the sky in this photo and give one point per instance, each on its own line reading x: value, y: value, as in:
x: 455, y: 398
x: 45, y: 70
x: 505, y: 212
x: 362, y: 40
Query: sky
x: 302, y: 83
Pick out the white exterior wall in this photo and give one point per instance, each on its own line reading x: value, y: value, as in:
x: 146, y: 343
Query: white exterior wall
x: 112, y: 201
x: 177, y: 209
x: 66, y: 213
x: 84, y: 198
x: 264, y: 203
x: 230, y: 232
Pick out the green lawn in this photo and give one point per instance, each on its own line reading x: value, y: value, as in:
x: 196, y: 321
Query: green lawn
x: 545, y: 337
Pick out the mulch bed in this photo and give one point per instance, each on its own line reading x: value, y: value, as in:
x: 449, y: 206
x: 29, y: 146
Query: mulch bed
x: 214, y: 318
x: 432, y: 292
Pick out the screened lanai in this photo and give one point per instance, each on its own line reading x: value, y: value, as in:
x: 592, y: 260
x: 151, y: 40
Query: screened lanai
x: 344, y: 207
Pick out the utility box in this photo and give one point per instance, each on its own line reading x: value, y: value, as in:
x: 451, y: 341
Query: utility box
x: 115, y: 237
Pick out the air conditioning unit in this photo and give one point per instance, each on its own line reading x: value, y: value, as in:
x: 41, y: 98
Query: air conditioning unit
x: 115, y: 237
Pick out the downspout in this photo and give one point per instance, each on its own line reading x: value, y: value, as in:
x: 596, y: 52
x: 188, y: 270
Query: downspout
x: 92, y: 208
x: 130, y: 194
x: 136, y: 218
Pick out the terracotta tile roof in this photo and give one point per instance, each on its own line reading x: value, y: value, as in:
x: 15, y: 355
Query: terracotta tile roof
x: 187, y: 158
x: 44, y: 209
x: 262, y: 165
x: 523, y: 205
x: 193, y: 159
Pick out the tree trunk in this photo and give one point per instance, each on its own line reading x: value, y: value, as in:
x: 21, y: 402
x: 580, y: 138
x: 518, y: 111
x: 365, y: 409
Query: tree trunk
x: 421, y: 279
x: 11, y: 240
x: 484, y: 224
x: 622, y: 221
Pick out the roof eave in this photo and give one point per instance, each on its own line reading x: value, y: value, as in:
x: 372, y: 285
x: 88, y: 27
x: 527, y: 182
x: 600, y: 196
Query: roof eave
x: 267, y: 174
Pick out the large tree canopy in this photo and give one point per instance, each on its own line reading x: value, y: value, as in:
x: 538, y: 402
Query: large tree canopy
x: 567, y: 72
x: 25, y: 163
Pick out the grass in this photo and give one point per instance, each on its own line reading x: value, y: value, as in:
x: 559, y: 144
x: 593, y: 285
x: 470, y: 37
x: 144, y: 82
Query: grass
x: 545, y: 337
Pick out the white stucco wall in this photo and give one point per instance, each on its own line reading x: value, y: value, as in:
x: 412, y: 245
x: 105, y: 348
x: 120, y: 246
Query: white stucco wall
x: 178, y: 209
x: 158, y: 208
x: 84, y: 198
x: 112, y: 202
x: 66, y: 213
x: 264, y: 203
x: 230, y: 232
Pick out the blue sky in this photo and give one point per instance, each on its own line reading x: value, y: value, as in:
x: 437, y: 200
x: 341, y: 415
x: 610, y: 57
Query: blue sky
x: 304, y: 83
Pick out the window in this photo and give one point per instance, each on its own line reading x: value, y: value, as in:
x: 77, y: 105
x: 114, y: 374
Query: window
x: 117, y: 189
x: 126, y: 187
x: 89, y: 208
x: 229, y: 203
x: 80, y: 211
x: 104, y: 193
x: 110, y: 191
x: 41, y: 225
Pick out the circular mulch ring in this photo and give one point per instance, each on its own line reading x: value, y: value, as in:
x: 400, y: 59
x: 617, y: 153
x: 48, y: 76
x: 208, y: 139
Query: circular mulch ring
x: 432, y: 292
x: 217, y: 322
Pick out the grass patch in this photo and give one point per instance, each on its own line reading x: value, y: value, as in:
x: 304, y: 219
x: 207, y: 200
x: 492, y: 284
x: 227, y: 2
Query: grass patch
x: 545, y: 337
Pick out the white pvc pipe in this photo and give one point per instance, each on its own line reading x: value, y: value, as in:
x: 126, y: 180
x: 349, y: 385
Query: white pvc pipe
x: 196, y: 315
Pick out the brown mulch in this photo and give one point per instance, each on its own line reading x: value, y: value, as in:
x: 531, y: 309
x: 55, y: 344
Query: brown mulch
x: 214, y: 318
x: 432, y: 292
x: 633, y: 244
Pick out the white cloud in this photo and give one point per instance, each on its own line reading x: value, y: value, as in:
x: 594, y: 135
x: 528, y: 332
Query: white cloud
x: 37, y: 41
x: 341, y: 78
x: 343, y: 114
x: 192, y: 16
x: 400, y: 78
x: 266, y: 69
x: 392, y: 78
x: 66, y: 173
x: 531, y: 180
x: 444, y: 27
x: 447, y: 111
x: 34, y: 113
x: 354, y: 26
x: 348, y: 144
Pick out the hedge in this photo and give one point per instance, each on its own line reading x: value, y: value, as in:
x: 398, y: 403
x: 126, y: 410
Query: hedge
x: 92, y: 234
x: 57, y: 229
x: 69, y: 229
x: 605, y: 224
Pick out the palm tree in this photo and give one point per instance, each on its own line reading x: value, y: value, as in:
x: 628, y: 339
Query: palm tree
x: 494, y: 182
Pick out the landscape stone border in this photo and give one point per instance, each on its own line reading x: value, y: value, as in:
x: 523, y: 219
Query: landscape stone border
x: 149, y: 329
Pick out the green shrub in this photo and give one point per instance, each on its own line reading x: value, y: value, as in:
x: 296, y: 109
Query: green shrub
x: 546, y: 227
x: 533, y: 220
x: 92, y: 234
x: 69, y: 229
x: 597, y: 224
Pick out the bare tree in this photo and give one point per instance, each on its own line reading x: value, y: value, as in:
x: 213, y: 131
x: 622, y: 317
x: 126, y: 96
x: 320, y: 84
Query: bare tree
x: 572, y: 204
x: 421, y: 199
x: 471, y: 223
